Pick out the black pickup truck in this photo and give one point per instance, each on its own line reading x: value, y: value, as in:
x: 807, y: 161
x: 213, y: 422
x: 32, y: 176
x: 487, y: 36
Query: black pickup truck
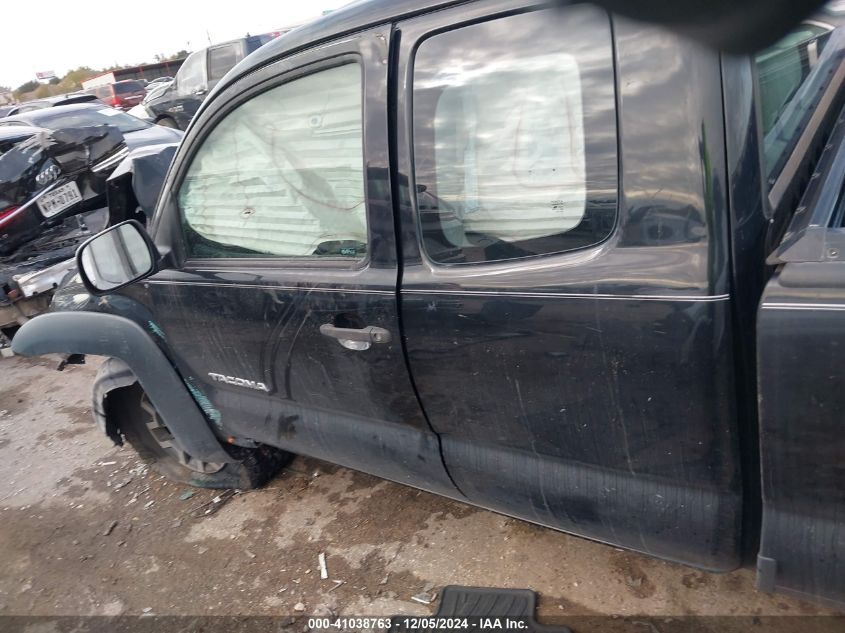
x: 174, y: 105
x: 546, y: 261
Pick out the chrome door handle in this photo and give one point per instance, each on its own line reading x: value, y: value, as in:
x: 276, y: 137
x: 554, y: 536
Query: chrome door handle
x: 369, y: 334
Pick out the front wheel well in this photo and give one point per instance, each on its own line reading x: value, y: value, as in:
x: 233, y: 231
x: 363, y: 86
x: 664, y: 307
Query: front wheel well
x: 129, y: 345
x: 113, y: 389
x: 129, y: 415
x: 116, y: 407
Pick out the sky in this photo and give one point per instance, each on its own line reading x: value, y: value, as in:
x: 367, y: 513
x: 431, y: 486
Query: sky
x: 63, y: 35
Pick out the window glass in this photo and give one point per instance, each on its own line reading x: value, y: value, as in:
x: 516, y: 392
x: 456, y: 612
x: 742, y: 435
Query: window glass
x: 257, y: 41
x: 191, y: 75
x: 128, y: 88
x: 8, y: 143
x: 282, y: 174
x: 58, y: 118
x: 792, y: 76
x: 221, y: 60
x: 515, y: 136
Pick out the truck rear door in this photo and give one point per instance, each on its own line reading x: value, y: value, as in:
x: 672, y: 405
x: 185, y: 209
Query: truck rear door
x: 568, y: 328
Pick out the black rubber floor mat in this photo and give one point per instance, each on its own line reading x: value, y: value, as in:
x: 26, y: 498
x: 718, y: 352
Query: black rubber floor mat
x: 477, y: 609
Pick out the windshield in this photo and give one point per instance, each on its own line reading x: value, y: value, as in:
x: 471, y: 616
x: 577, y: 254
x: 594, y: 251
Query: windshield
x: 257, y: 41
x: 128, y: 88
x: 100, y: 116
x: 8, y: 143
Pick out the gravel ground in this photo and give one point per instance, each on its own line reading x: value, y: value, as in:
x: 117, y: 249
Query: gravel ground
x: 86, y: 529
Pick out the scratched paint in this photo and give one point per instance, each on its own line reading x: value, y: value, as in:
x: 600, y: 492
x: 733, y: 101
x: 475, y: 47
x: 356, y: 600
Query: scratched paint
x: 155, y: 329
x: 205, y: 404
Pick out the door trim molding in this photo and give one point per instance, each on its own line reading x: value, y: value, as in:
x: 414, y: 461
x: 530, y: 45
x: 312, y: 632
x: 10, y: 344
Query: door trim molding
x: 574, y: 295
x: 167, y: 282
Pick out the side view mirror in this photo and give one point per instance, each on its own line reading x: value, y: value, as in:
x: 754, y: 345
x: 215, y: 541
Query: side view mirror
x: 120, y: 255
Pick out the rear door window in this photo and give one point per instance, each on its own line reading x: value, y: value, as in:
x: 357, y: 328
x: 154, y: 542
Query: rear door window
x: 514, y: 139
x: 221, y: 60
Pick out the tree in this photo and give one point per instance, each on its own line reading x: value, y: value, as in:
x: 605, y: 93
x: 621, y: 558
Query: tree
x: 74, y: 78
x: 27, y: 86
x: 161, y: 57
x: 42, y: 91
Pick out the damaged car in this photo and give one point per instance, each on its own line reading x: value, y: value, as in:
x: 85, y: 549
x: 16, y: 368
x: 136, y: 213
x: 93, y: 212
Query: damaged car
x: 52, y: 198
x: 56, y: 190
x: 137, y: 133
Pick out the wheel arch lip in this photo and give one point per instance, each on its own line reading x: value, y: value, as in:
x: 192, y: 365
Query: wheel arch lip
x: 115, y: 336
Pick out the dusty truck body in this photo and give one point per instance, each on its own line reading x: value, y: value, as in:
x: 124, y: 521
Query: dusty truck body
x: 592, y: 281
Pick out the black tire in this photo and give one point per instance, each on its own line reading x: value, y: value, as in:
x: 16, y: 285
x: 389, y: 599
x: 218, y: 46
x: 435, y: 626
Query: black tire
x: 166, y: 121
x: 141, y: 426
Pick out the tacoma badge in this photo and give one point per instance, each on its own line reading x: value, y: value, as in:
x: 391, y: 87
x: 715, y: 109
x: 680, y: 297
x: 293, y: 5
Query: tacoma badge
x: 239, y: 382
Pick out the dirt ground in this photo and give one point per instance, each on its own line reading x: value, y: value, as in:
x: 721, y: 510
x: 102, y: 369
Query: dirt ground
x: 86, y: 529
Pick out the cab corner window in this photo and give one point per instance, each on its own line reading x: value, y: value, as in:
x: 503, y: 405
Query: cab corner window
x: 515, y: 136
x: 282, y: 174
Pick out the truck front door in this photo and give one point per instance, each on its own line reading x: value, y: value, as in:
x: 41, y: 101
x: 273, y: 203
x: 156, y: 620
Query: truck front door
x: 282, y: 311
x: 801, y: 320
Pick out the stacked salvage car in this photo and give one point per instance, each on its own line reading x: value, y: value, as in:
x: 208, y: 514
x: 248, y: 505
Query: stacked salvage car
x: 53, y: 196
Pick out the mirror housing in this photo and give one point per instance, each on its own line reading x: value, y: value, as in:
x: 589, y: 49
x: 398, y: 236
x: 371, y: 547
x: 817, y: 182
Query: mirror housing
x: 116, y: 257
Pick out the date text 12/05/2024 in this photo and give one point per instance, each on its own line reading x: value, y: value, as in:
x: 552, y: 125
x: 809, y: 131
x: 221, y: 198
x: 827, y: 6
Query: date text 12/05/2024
x: 408, y: 624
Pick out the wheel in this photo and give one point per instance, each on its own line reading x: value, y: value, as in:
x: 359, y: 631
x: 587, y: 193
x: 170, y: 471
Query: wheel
x: 143, y: 428
x: 167, y: 122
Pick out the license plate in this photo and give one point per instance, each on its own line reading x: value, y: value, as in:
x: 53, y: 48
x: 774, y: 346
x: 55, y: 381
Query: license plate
x: 59, y: 199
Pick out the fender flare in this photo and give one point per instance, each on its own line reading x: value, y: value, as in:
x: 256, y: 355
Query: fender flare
x: 118, y: 337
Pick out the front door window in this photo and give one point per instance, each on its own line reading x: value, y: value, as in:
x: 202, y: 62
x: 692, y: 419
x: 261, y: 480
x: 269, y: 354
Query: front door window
x: 282, y: 175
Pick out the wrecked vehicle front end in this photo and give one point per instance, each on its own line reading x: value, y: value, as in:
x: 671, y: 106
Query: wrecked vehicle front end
x: 134, y: 186
x: 29, y: 276
x: 52, y: 198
